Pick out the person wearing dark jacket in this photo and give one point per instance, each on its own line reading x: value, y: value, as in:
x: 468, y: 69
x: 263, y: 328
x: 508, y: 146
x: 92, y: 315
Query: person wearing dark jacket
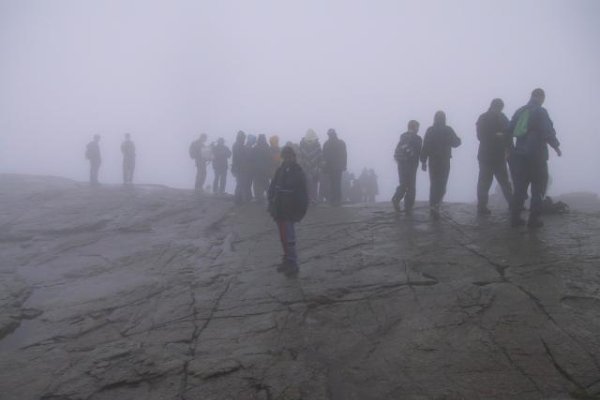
x: 220, y: 163
x: 494, y: 146
x: 128, y: 151
x: 335, y: 161
x: 534, y: 131
x: 240, y: 168
x: 92, y: 153
x: 288, y: 202
x: 262, y: 164
x: 437, y: 148
x: 198, y: 154
x: 407, y: 155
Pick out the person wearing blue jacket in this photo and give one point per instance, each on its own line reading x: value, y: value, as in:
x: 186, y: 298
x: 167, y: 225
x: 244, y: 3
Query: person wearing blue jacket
x: 534, y: 131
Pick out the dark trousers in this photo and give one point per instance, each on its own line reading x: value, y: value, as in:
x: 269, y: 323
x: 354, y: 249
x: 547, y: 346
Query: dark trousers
x: 528, y: 171
x: 287, y: 235
x: 243, y: 188
x: 220, y: 181
x: 487, y: 171
x: 312, y: 184
x: 335, y: 188
x: 260, y: 184
x: 94, y: 169
x: 128, y: 168
x: 439, y: 170
x: 200, y: 176
x: 407, y: 175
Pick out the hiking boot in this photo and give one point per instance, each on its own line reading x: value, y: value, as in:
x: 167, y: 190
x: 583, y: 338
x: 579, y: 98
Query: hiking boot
x: 291, y: 269
x: 435, y: 213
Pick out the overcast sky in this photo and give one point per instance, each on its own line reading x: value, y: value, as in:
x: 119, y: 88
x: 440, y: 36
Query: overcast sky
x: 165, y: 71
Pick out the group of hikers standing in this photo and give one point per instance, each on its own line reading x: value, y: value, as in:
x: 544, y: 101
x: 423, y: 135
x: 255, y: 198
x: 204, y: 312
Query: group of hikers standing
x: 526, y: 156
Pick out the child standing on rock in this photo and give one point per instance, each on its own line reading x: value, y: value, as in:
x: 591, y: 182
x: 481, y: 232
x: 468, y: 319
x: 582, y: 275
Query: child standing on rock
x: 288, y: 202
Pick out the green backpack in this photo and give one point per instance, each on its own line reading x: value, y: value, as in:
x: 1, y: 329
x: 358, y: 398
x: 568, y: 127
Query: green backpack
x: 522, y: 123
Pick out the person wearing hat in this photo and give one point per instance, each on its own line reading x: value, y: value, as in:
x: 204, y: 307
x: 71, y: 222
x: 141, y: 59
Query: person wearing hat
x: 534, y: 131
x: 494, y: 145
x: 92, y: 153
x: 309, y: 158
x: 335, y: 159
x: 288, y: 203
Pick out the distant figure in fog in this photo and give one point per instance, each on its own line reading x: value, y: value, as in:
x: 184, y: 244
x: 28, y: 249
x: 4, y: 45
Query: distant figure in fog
x: 437, y: 149
x: 495, y: 143
x: 309, y: 158
x: 220, y: 163
x: 372, y: 189
x: 92, y: 153
x: 534, y: 131
x: 262, y: 165
x: 275, y: 153
x: 407, y: 155
x: 128, y: 151
x: 251, y: 158
x: 288, y: 202
x: 335, y: 161
x: 240, y: 168
x: 200, y: 153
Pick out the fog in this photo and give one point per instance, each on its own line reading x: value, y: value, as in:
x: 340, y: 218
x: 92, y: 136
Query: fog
x: 167, y: 71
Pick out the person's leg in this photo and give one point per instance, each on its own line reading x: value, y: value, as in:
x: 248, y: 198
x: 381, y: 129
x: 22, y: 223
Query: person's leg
x: 223, y: 182
x: 215, y: 185
x: 539, y: 180
x: 521, y: 182
x: 198, y: 183
x: 411, y: 187
x: 484, y: 182
x: 94, y: 170
x: 445, y: 174
x: 501, y: 174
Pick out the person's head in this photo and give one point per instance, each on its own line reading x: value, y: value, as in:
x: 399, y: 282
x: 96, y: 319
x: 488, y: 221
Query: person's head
x: 241, y: 137
x: 262, y: 140
x: 497, y: 105
x: 331, y: 133
x: 127, y: 136
x: 251, y: 140
x: 221, y: 141
x: 439, y: 119
x: 413, y: 126
x: 311, y: 136
x: 274, y: 141
x: 538, y: 96
x: 288, y: 154
x: 203, y: 137
x: 96, y: 138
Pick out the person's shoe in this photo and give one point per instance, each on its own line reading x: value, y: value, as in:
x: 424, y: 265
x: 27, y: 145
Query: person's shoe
x: 435, y: 213
x: 535, y: 223
x: 516, y: 222
x: 291, y: 270
x: 483, y: 211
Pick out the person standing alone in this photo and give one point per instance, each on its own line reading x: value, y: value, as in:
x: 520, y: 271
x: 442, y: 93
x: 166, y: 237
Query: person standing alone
x: 128, y: 151
x: 288, y: 203
x: 92, y: 153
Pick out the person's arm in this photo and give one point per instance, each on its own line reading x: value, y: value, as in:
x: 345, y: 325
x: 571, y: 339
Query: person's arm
x: 550, y: 133
x: 478, y: 128
x: 425, y: 151
x: 454, y: 139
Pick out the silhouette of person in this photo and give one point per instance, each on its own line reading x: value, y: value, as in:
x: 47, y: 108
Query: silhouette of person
x: 128, y: 151
x: 92, y: 153
x: 199, y: 155
x: 220, y: 163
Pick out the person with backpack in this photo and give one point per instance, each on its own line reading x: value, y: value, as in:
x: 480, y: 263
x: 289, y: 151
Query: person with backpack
x: 494, y: 146
x: 220, y: 163
x: 288, y: 203
x: 92, y: 153
x: 533, y: 130
x: 335, y: 159
x: 407, y: 155
x: 128, y: 151
x: 437, y: 149
x: 200, y: 154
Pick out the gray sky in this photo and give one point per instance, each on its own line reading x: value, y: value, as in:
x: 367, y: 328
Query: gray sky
x: 167, y: 70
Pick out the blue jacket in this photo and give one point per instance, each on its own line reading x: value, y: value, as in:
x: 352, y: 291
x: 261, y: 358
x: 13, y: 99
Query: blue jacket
x: 540, y: 133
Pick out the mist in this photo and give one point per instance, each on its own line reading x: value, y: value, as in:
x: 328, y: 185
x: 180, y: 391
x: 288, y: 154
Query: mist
x: 167, y: 71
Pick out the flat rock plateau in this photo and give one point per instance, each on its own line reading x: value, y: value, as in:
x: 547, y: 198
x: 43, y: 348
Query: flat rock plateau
x: 155, y: 293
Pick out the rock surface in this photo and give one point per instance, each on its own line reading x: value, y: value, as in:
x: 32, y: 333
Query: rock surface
x: 156, y: 293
